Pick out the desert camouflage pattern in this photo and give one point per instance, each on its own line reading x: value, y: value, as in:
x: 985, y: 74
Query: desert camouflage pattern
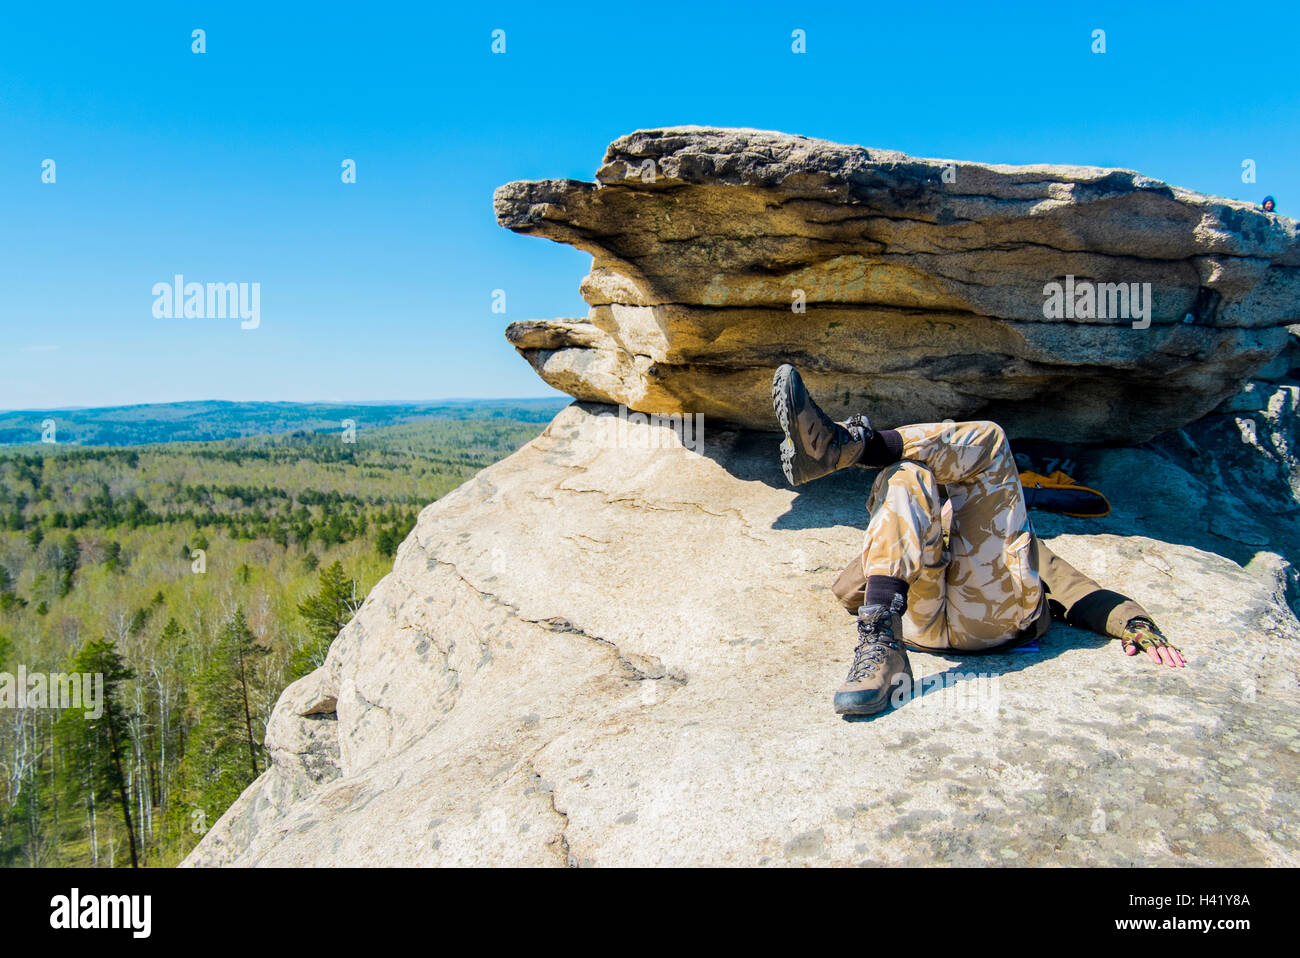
x: 982, y: 587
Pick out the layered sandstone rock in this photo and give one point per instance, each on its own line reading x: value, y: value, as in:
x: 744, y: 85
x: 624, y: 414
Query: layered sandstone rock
x: 921, y: 281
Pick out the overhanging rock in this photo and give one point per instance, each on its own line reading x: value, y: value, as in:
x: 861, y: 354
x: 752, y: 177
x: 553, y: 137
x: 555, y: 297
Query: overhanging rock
x: 921, y: 283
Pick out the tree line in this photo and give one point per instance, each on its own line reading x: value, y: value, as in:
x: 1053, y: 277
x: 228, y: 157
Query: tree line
x: 199, y: 582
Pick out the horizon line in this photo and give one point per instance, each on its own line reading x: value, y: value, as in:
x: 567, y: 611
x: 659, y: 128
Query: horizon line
x: 288, y: 402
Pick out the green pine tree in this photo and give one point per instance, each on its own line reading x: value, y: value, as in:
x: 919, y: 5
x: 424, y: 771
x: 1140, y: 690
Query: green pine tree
x: 97, y: 750
x: 387, y: 541
x: 69, y: 560
x: 326, y: 613
x: 225, y: 751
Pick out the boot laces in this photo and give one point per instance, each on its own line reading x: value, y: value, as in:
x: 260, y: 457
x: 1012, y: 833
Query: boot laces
x: 854, y: 428
x: 875, y: 640
x: 860, y: 421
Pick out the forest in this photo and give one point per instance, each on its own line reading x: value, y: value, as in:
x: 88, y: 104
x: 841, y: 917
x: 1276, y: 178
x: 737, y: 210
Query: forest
x: 209, y: 420
x: 198, y: 579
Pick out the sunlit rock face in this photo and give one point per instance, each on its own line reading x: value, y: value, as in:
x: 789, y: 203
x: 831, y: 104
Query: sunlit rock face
x: 610, y: 649
x: 1078, y: 303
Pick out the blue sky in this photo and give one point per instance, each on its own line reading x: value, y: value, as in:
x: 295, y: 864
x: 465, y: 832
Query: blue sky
x: 225, y: 166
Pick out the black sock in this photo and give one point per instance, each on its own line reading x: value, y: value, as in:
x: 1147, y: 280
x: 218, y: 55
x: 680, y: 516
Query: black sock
x: 884, y: 448
x: 881, y: 590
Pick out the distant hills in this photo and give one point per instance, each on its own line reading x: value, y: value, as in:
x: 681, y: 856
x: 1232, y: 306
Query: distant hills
x: 208, y: 420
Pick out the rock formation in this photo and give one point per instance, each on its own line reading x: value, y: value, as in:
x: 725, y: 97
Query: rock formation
x: 609, y: 650
x: 612, y: 649
x: 921, y: 282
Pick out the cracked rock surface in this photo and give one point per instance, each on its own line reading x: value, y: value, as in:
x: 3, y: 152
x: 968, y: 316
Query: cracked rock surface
x: 921, y: 283
x: 610, y: 650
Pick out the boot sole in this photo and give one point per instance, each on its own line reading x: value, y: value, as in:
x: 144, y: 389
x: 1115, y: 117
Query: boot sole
x: 781, y: 403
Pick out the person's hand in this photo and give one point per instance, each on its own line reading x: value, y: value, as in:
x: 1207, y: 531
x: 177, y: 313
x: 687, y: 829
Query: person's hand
x: 1142, y: 635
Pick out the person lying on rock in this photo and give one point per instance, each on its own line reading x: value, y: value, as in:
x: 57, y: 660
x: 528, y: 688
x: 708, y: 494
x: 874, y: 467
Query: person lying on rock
x: 991, y: 586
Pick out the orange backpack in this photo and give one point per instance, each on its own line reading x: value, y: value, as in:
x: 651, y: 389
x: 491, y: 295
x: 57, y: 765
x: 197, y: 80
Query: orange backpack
x: 1060, y: 493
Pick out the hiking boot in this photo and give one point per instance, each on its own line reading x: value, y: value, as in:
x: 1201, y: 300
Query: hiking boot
x: 878, y: 661
x: 814, y: 444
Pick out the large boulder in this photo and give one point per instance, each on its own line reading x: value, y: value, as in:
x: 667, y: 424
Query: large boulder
x: 921, y: 283
x: 608, y: 649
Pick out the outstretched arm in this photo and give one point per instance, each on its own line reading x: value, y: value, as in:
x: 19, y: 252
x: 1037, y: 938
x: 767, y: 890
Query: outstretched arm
x: 1081, y: 602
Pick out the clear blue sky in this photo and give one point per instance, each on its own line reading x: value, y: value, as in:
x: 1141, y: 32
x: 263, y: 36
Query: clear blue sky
x: 225, y: 166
